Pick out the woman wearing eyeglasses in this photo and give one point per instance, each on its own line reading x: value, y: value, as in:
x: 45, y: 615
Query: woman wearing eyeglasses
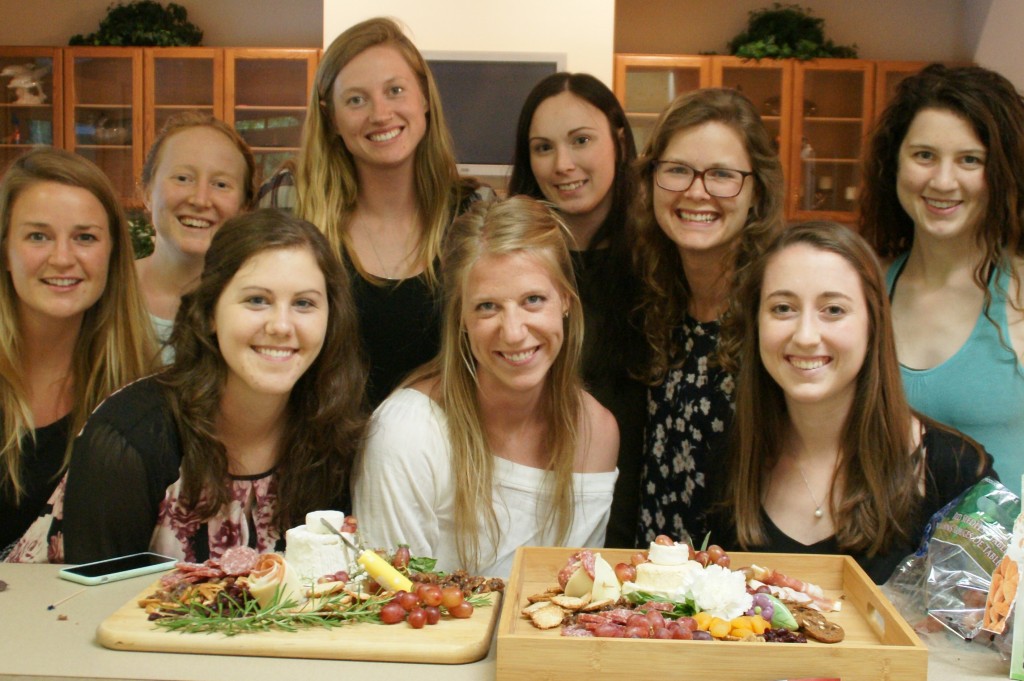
x: 710, y: 200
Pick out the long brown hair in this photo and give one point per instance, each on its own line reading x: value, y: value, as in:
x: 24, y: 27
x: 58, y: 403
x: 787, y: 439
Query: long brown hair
x: 664, y: 293
x: 519, y: 224
x: 991, y: 105
x: 326, y: 417
x: 115, y: 343
x: 326, y: 180
x: 875, y: 465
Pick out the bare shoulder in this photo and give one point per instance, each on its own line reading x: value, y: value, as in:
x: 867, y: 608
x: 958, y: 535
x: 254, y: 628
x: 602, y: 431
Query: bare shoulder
x: 600, y: 437
x: 1015, y: 308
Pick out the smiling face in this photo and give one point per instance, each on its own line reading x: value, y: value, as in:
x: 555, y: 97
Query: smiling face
x: 941, y: 179
x: 271, y: 320
x: 693, y: 219
x: 572, y: 155
x: 57, y: 250
x: 513, y: 314
x: 379, y: 108
x: 813, y: 326
x: 198, y: 183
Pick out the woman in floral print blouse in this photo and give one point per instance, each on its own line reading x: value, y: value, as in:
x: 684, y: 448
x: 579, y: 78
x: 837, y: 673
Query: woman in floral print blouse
x: 710, y: 199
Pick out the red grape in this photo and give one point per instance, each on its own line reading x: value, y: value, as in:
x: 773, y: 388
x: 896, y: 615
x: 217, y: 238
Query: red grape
x: 655, y: 619
x: 431, y: 595
x: 401, y: 558
x: 392, y: 613
x: 638, y: 557
x: 451, y: 596
x: 663, y: 634
x: 682, y: 634
x: 625, y: 572
x: 407, y: 600
x: 715, y: 552
x: 702, y: 558
x: 433, y: 614
x: 461, y: 611
x: 664, y: 540
x: 417, y: 618
x: 724, y: 560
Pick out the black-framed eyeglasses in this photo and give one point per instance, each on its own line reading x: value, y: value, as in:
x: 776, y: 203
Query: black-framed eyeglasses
x: 723, y: 183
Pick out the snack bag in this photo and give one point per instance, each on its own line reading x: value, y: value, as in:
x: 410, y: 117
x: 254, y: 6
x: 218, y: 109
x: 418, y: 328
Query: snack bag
x: 1014, y: 561
x: 947, y: 582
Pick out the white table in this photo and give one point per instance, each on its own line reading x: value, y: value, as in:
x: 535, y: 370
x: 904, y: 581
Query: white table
x: 36, y: 644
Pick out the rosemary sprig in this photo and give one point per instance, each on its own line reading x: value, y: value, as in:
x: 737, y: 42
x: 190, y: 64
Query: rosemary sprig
x: 232, y: 617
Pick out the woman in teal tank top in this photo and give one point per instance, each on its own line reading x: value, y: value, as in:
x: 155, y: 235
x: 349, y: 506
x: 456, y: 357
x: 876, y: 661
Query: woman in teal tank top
x: 944, y: 195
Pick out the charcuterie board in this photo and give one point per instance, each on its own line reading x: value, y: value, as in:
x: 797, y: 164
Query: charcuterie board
x: 450, y: 641
x: 879, y: 644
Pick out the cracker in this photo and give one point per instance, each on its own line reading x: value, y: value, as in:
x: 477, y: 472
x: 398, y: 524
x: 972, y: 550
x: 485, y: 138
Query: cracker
x: 548, y: 617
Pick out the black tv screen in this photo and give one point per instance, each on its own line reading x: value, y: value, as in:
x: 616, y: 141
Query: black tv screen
x: 482, y: 98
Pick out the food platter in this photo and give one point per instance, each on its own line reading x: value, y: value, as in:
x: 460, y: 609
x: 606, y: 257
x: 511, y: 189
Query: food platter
x: 878, y: 645
x: 450, y: 641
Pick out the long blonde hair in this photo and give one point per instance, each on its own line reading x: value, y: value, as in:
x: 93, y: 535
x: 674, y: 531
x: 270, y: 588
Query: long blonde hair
x: 115, y: 343
x: 327, y: 185
x: 516, y: 225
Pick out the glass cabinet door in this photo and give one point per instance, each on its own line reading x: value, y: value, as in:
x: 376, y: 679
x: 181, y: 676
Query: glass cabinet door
x: 30, y: 105
x: 266, y: 96
x: 888, y: 76
x: 103, y: 111
x: 645, y: 84
x: 832, y: 115
x: 768, y: 84
x: 182, y: 79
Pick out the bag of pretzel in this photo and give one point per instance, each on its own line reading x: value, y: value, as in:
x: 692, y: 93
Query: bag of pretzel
x: 959, y: 568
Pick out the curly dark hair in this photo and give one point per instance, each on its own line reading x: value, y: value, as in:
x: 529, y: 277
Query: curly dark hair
x: 327, y: 417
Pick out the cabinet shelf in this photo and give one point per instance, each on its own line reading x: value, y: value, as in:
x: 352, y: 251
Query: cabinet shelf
x: 103, y: 146
x: 833, y: 119
x: 253, y: 107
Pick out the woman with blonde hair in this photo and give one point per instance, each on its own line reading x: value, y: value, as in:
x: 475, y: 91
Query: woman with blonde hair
x: 75, y: 330
x: 377, y: 174
x: 828, y: 455
x: 710, y: 198
x: 494, y: 444
x: 198, y: 173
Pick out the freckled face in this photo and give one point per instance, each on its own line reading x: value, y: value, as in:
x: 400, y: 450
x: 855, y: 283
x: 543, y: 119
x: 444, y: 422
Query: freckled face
x: 513, y: 314
x: 813, y: 325
x: 198, y: 184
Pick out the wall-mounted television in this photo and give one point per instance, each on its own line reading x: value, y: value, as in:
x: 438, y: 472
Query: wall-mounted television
x: 482, y: 93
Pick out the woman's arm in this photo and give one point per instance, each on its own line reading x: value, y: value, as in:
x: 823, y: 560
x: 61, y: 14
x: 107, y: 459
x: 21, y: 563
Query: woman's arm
x: 112, y: 501
x: 402, y: 480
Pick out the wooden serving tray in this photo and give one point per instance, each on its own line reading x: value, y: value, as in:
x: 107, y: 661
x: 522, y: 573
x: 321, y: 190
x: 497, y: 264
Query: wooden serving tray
x: 879, y: 644
x: 450, y: 641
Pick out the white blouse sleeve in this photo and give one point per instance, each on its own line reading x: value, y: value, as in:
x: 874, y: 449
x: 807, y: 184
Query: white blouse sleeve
x: 402, y: 480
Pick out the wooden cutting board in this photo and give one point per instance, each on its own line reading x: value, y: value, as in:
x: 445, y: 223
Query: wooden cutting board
x: 450, y: 641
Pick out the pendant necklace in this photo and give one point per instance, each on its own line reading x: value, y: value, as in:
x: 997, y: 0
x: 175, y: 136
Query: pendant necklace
x: 818, y: 512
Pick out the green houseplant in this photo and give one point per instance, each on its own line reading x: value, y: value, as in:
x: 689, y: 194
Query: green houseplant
x: 143, y: 23
x: 786, y: 32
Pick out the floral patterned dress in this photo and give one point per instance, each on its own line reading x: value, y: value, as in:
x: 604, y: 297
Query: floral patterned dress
x: 688, y: 416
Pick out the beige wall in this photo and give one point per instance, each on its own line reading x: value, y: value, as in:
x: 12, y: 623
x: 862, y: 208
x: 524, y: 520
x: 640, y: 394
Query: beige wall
x: 882, y: 29
x: 582, y: 29
x: 240, y: 23
x: 999, y: 39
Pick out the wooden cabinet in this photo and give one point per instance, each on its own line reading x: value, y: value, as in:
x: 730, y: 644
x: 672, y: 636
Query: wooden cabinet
x: 888, y: 76
x: 103, y: 115
x: 266, y: 95
x: 30, y: 105
x: 109, y: 103
x: 819, y: 113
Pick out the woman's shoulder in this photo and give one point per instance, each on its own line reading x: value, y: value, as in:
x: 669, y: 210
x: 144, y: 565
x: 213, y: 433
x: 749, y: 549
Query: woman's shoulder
x: 139, y: 402
x: 601, y: 437
x: 405, y: 413
x: 953, y: 459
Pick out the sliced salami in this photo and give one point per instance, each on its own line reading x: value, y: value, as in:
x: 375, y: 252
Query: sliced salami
x: 576, y: 630
x: 238, y: 561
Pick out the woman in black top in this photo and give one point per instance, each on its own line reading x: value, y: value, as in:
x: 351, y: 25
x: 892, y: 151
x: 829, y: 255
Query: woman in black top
x: 574, y: 148
x: 828, y: 456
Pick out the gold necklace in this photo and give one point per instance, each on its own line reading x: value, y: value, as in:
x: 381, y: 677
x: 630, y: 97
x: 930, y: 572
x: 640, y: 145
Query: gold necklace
x: 818, y: 512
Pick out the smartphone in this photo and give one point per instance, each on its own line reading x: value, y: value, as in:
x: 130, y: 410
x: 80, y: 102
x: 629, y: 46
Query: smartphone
x: 113, y: 569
